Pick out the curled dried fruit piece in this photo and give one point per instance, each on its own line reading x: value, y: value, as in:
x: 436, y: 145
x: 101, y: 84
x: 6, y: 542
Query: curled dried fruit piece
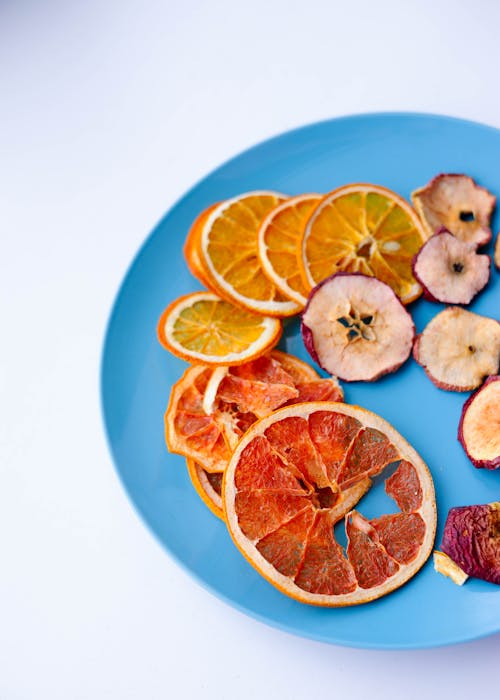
x: 450, y: 270
x: 458, y: 349
x: 479, y: 429
x: 458, y: 204
x: 356, y: 328
x: 446, y: 566
x: 471, y: 538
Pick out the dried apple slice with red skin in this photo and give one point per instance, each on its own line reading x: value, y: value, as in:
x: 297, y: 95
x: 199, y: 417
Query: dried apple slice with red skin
x: 356, y: 328
x: 457, y: 203
x: 450, y: 270
x: 479, y: 427
x: 458, y: 349
x: 471, y: 538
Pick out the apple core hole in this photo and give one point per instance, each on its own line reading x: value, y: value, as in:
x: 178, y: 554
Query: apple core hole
x: 466, y: 216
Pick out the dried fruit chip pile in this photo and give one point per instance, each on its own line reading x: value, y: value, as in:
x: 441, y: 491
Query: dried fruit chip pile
x: 348, y: 260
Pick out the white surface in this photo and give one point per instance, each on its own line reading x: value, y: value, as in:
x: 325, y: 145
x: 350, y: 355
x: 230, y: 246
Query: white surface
x: 109, y: 111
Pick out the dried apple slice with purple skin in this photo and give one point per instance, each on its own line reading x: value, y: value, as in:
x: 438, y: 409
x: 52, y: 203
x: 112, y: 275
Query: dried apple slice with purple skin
x: 458, y: 204
x: 356, y: 328
x: 479, y: 428
x: 450, y: 270
x: 459, y: 349
x: 471, y: 538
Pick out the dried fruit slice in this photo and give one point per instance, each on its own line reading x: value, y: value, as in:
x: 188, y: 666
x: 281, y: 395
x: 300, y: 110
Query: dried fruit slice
x: 479, y: 428
x: 189, y: 431
x: 208, y: 487
x: 210, y: 408
x: 497, y: 252
x: 450, y: 270
x: 364, y: 228
x: 355, y: 327
x: 471, y: 538
x: 282, y: 498
x: 280, y: 253
x: 458, y: 204
x: 227, y: 248
x: 190, y: 249
x: 202, y: 328
x: 458, y: 349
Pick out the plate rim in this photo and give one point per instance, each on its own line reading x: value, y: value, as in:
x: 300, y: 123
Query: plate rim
x: 104, y: 345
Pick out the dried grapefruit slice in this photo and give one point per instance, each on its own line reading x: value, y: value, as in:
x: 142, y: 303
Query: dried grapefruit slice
x: 302, y: 469
x: 364, y: 228
x: 227, y: 248
x: 208, y: 487
x: 202, y: 328
x: 210, y: 408
x: 279, y: 242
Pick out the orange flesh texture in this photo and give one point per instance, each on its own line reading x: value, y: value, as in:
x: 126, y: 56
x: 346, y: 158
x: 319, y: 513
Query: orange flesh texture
x: 282, y: 238
x: 367, y: 232
x: 281, y: 478
x: 232, y: 249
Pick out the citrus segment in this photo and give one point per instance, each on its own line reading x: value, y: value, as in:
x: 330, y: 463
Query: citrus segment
x: 372, y: 565
x: 284, y: 548
x: 324, y: 568
x: 401, y: 534
x: 279, y: 245
x: 364, y: 228
x: 333, y: 433
x: 228, y: 250
x: 404, y: 487
x: 290, y: 440
x: 370, y: 452
x: 262, y: 512
x: 201, y: 327
x: 208, y: 487
x: 281, y: 504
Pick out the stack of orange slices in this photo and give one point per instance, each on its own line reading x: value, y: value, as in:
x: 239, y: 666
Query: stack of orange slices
x: 270, y: 446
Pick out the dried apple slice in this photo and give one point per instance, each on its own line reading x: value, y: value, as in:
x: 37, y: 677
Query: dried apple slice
x: 471, y: 538
x: 479, y: 428
x: 458, y: 204
x: 458, y: 349
x: 450, y: 270
x: 356, y: 328
x: 497, y: 252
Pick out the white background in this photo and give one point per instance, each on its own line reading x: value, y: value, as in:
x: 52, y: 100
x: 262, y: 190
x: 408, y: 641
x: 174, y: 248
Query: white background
x: 108, y: 112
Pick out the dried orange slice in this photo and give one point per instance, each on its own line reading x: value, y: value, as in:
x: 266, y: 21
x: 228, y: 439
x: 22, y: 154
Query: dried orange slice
x: 190, y: 249
x: 364, y: 228
x: 228, y: 252
x: 280, y: 237
x: 302, y: 469
x: 210, y: 408
x: 202, y: 328
x: 208, y: 487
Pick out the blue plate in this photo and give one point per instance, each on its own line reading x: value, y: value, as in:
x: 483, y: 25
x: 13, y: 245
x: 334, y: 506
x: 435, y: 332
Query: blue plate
x: 402, y: 152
